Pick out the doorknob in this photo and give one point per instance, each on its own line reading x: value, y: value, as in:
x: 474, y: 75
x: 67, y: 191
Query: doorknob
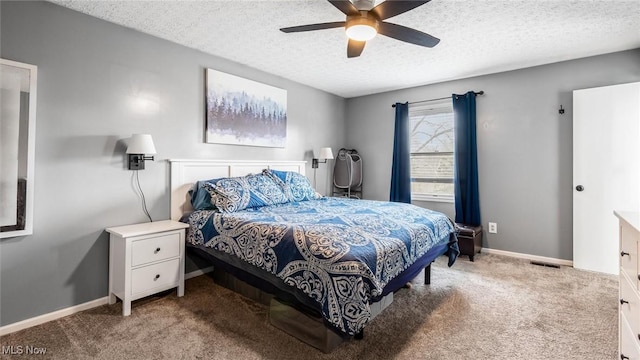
x: 579, y: 187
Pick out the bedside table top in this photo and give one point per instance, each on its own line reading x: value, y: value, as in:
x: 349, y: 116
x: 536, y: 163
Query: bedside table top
x: 146, y: 228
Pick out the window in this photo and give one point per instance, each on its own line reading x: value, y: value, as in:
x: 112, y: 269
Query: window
x: 431, y: 127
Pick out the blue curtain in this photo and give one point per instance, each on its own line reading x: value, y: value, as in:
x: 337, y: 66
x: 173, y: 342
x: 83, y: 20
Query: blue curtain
x: 467, y: 197
x: 401, y: 166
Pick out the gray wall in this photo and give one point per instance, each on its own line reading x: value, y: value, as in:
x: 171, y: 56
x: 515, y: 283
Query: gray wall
x: 89, y: 73
x: 524, y: 146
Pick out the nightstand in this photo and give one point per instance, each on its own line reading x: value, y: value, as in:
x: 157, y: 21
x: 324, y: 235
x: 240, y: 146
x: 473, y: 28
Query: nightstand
x: 145, y: 259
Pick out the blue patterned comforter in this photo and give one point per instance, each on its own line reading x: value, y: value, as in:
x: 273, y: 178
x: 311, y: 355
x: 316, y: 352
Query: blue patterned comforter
x: 341, y: 252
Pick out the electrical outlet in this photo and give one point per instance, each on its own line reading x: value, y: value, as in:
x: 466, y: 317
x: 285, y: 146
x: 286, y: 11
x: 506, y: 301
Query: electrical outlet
x: 493, y: 228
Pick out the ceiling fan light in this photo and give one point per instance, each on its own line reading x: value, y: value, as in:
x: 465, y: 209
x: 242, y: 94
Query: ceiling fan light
x: 361, y: 32
x: 361, y: 28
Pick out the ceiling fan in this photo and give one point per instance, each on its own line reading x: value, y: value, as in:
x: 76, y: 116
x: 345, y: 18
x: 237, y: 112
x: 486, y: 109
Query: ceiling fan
x: 363, y: 24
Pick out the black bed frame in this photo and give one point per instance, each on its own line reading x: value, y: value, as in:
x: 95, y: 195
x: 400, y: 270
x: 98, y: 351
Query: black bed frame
x: 297, y: 299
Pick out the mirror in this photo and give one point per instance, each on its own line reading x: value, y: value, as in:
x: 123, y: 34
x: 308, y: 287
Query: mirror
x: 17, y: 144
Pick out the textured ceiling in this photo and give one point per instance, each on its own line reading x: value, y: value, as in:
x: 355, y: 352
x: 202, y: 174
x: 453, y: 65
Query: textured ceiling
x: 477, y: 37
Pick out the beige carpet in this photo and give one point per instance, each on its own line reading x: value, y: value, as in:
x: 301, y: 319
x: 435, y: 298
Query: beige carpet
x: 493, y: 308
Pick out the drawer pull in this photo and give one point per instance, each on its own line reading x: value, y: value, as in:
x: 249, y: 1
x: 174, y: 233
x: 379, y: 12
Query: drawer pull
x: 158, y: 277
x: 622, y: 301
x: 157, y: 251
x: 622, y: 357
x: 622, y: 253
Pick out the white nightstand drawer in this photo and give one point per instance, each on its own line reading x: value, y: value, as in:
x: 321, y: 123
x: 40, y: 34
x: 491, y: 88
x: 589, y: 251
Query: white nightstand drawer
x: 155, y: 248
x: 157, y: 275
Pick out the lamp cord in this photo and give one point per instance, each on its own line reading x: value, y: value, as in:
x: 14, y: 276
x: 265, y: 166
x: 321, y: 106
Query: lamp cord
x: 144, y: 202
x: 314, y: 179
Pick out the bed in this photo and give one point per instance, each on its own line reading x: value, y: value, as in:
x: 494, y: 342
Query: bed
x: 334, y: 259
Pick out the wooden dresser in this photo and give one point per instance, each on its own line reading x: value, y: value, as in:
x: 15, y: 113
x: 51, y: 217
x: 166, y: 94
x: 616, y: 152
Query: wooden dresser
x: 629, y: 314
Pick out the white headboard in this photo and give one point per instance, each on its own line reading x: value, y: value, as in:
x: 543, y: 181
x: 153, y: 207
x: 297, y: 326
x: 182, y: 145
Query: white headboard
x: 185, y: 173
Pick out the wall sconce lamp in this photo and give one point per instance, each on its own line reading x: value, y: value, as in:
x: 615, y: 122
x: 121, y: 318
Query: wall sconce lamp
x: 139, y: 146
x: 325, y: 154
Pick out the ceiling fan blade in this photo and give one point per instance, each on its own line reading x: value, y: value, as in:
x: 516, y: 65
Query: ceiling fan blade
x: 312, y: 27
x: 391, y: 8
x: 345, y: 6
x: 406, y: 34
x: 354, y: 48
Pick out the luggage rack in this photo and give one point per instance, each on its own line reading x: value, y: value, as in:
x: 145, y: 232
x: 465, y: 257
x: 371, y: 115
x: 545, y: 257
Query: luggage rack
x: 347, y: 174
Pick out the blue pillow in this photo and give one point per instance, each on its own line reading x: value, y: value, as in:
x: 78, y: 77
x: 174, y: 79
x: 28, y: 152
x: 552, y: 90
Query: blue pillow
x: 294, y: 185
x: 200, y: 197
x: 239, y: 193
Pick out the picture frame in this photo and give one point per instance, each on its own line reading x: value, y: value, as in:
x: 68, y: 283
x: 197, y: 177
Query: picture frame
x: 240, y: 111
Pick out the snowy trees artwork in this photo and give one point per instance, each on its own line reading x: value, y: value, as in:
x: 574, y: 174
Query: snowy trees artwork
x: 244, y: 112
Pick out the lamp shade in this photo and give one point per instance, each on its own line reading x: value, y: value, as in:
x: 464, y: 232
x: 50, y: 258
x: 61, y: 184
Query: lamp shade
x: 362, y: 28
x: 141, y: 144
x: 361, y: 32
x: 325, y: 153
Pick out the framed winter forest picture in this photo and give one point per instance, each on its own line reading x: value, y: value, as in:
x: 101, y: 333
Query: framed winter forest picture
x: 244, y: 112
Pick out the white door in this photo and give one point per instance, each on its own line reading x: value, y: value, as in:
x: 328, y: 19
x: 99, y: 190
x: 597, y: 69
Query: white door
x: 606, y: 171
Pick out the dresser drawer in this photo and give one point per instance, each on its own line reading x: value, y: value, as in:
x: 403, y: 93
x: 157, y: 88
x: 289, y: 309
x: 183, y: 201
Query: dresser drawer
x: 630, y: 308
x: 157, y: 275
x: 156, y: 248
x: 629, y: 253
x: 628, y: 341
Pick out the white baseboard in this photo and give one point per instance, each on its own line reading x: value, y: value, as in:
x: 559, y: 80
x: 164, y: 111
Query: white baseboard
x: 543, y: 259
x: 198, y: 272
x: 20, y: 325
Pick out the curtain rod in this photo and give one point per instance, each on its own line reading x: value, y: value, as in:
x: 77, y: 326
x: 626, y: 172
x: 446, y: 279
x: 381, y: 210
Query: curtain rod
x: 481, y: 92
